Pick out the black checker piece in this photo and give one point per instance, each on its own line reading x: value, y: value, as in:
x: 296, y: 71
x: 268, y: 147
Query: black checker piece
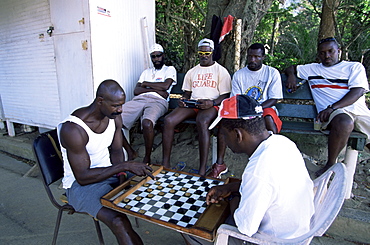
x: 194, y: 208
x: 198, y: 192
x: 186, y: 219
x: 191, y: 200
x: 178, y: 203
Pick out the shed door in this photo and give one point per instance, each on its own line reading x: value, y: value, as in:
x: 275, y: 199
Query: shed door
x: 71, y: 35
x: 28, y: 82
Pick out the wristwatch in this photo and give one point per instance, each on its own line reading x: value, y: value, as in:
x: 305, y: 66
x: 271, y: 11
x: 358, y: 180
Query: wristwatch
x: 331, y: 107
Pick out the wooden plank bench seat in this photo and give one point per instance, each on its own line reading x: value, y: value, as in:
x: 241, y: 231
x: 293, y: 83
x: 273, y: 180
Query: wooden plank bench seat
x: 297, y: 117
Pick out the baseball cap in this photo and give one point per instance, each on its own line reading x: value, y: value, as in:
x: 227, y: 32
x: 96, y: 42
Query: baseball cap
x: 156, y: 47
x: 240, y: 106
x: 206, y: 42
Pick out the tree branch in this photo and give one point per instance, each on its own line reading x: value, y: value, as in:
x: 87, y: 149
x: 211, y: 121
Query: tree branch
x: 199, y: 8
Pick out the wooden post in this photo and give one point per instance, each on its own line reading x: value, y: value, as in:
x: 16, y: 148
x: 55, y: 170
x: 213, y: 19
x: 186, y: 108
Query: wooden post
x: 144, y: 29
x: 350, y: 160
x: 238, y: 40
x: 10, y: 126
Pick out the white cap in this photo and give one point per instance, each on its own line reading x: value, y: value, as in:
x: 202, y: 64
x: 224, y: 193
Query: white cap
x: 206, y: 42
x: 156, y: 47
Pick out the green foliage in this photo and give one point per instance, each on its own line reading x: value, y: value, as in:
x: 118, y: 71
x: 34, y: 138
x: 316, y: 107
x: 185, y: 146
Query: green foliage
x: 289, y: 33
x: 294, y: 39
x: 178, y: 24
x: 296, y: 30
x: 354, y: 27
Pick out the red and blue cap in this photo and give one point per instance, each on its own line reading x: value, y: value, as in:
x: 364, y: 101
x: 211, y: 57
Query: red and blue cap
x: 240, y: 106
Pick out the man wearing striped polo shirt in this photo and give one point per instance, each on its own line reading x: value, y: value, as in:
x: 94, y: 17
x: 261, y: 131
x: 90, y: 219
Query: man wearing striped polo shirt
x: 338, y: 89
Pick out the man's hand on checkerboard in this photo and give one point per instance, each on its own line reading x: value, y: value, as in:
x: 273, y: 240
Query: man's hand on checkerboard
x: 140, y: 169
x: 217, y: 193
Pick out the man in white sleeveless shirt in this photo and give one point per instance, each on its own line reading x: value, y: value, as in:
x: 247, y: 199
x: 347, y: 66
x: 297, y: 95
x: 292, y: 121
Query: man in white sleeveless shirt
x: 90, y: 168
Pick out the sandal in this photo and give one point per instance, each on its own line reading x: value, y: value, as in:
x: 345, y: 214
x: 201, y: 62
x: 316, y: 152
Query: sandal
x: 179, y: 166
x: 196, y: 171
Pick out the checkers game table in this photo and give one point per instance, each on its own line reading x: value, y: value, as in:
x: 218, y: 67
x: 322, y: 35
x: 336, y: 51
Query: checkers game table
x: 175, y: 200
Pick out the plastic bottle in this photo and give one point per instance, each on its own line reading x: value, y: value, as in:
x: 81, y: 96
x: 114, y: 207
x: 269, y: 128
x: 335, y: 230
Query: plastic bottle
x: 299, y: 85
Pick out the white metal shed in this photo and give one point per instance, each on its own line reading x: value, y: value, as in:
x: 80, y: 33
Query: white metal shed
x: 54, y: 54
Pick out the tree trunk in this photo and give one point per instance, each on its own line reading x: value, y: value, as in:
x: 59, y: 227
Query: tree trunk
x: 327, y: 23
x: 251, y: 13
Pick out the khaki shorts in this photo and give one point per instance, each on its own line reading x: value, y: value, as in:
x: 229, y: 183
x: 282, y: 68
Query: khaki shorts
x: 362, y: 123
x: 146, y: 106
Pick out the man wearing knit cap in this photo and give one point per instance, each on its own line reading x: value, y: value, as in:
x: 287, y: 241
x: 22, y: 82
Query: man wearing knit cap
x: 205, y: 86
x: 269, y: 199
x: 150, y: 101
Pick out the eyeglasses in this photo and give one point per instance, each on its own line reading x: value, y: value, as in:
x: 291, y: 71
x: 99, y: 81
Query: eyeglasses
x: 204, y: 53
x: 329, y: 39
x: 153, y: 56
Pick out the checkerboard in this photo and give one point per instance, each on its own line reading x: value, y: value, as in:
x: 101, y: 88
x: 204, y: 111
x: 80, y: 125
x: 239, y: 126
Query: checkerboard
x: 175, y: 199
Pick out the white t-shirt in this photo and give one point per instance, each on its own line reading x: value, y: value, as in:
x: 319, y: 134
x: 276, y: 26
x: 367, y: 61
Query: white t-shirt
x: 207, y: 82
x: 330, y: 84
x: 97, y: 148
x: 276, y: 191
x: 155, y: 76
x: 262, y: 85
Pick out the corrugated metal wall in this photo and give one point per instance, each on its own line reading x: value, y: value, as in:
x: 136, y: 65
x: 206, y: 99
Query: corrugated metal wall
x: 118, y: 42
x: 43, y: 78
x: 28, y: 83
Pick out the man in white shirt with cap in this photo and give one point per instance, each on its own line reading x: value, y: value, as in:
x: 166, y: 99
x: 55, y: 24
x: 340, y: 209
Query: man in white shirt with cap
x: 151, y: 99
x: 275, y: 195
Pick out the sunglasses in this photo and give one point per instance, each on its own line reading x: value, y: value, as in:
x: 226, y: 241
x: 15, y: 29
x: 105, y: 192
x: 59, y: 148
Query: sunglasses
x: 329, y: 39
x: 153, y: 56
x: 201, y: 53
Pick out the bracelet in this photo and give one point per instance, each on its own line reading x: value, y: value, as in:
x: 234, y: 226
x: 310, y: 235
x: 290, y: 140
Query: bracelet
x: 214, y: 103
x: 121, y: 173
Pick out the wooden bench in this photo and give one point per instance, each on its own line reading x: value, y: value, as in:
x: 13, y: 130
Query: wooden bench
x: 298, y: 119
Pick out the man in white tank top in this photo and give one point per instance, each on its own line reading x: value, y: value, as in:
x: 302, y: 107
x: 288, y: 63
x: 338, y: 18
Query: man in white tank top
x: 90, y: 168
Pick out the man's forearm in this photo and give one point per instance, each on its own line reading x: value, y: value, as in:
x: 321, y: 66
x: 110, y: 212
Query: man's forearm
x: 291, y: 70
x: 351, y: 97
x: 269, y: 103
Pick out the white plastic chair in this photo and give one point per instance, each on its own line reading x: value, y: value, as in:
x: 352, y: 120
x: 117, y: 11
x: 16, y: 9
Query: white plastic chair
x: 329, y: 189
